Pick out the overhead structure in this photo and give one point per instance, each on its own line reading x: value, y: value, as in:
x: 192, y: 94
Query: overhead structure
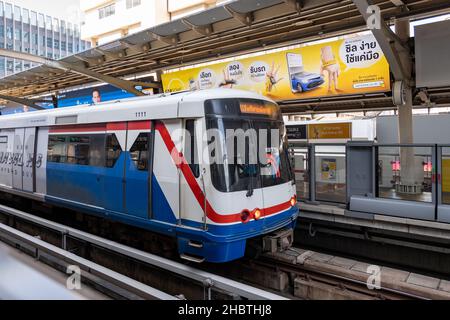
x: 237, y: 27
x: 126, y: 85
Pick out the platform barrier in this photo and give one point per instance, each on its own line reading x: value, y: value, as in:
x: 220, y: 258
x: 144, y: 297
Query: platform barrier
x: 402, y: 180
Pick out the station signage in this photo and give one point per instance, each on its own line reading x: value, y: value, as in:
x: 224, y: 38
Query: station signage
x: 355, y: 65
x: 320, y: 131
x: 297, y: 132
x: 330, y: 131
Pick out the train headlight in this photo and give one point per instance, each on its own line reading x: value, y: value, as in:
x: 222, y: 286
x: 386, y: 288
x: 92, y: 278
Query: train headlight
x: 257, y: 214
x: 245, y: 216
x: 293, y: 201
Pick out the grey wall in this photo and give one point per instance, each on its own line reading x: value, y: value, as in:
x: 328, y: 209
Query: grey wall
x: 427, y: 129
x: 433, y: 54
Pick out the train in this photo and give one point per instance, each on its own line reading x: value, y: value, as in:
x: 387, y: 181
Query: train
x: 134, y: 161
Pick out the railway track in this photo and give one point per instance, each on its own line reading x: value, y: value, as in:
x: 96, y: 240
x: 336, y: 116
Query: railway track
x: 293, y: 274
x: 115, y: 269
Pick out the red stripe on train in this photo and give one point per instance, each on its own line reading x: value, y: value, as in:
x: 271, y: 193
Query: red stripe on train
x: 114, y: 126
x: 182, y: 164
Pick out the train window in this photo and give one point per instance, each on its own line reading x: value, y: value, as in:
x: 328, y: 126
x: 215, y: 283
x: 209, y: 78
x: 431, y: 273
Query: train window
x: 191, y: 148
x: 139, y: 151
x: 4, y: 139
x: 97, y: 150
x: 78, y: 150
x: 57, y: 149
x: 113, y: 150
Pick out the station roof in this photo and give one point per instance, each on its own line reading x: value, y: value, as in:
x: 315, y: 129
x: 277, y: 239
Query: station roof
x: 237, y: 27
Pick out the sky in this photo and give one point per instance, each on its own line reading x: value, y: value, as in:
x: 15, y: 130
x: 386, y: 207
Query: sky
x: 64, y: 9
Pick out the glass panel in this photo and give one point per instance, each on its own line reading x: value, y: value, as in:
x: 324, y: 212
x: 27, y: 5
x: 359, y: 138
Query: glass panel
x: 113, y: 150
x: 57, y: 149
x: 139, y: 152
x: 78, y: 150
x: 445, y: 175
x: 299, y: 157
x: 330, y: 165
x: 405, y: 173
x: 190, y: 148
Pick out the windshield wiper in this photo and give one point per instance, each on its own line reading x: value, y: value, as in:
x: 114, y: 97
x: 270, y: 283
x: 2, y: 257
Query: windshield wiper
x: 250, y: 188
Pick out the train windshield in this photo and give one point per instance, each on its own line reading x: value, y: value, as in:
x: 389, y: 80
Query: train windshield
x: 248, y: 150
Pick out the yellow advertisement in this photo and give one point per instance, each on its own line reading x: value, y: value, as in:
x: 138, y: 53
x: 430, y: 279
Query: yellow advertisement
x: 330, y: 131
x: 446, y: 175
x: 329, y: 169
x: 351, y: 66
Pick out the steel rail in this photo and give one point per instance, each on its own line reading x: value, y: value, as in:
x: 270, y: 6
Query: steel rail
x: 8, y: 233
x: 203, y: 277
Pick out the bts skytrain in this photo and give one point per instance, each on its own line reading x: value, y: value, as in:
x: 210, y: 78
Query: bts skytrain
x: 131, y: 161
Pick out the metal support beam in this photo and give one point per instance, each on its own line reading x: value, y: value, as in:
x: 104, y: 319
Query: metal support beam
x: 246, y: 19
x: 128, y: 86
x: 201, y: 30
x: 297, y: 5
x: 387, y: 40
x: 26, y: 102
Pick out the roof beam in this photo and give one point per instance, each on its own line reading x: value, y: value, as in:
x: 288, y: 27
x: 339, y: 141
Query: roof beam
x: 297, y: 5
x: 206, y: 30
x: 245, y: 18
x: 26, y: 102
x: 398, y: 3
x: 387, y: 40
x: 115, y: 56
x: 89, y: 61
x: 126, y: 85
x: 170, y: 40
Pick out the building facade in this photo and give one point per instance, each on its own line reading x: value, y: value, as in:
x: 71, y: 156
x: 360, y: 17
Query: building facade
x: 109, y: 20
x: 26, y: 30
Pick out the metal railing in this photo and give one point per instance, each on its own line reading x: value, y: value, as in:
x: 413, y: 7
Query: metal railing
x: 408, y: 173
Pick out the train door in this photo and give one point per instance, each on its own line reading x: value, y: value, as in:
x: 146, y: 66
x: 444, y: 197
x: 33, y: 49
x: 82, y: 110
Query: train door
x: 138, y: 164
x: 17, y: 161
x: 29, y: 163
x: 6, y: 150
x: 165, y: 184
x: 190, y: 209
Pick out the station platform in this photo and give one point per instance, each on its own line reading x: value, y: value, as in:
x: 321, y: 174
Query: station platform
x: 337, y: 214
x: 25, y: 278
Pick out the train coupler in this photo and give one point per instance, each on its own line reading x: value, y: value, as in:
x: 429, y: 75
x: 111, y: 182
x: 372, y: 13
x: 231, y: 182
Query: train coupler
x: 278, y: 241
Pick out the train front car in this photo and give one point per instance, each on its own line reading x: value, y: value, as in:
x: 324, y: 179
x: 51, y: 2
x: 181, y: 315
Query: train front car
x: 239, y: 184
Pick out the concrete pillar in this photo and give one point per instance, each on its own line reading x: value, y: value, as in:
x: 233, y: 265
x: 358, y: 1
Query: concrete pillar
x: 410, y: 168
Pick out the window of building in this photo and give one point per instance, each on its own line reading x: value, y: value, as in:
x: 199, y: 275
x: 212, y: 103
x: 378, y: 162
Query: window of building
x: 8, y: 11
x: 133, y: 3
x: 107, y: 11
x: 113, y: 150
x: 17, y: 14
x: 139, y: 151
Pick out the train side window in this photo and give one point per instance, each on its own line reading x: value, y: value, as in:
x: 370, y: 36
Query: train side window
x: 113, y: 150
x: 191, y: 148
x: 97, y: 150
x: 4, y: 139
x: 78, y: 150
x: 57, y: 149
x: 139, y: 152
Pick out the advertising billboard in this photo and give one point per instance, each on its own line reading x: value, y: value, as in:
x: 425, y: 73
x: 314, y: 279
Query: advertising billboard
x: 352, y: 66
